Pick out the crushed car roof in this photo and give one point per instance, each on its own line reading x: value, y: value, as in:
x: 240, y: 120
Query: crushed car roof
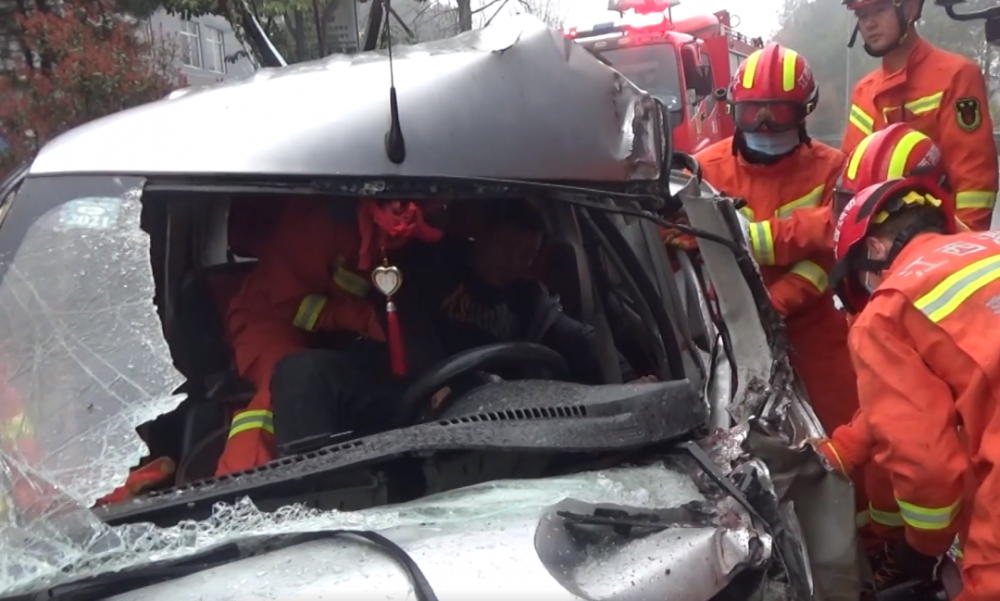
x: 515, y: 101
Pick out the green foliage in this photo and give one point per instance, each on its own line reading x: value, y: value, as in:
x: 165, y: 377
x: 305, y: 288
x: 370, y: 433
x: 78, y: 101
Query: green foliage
x: 820, y: 29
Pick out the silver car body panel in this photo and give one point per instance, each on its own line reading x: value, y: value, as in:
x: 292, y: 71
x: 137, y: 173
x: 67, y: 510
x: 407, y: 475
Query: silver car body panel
x: 507, y: 101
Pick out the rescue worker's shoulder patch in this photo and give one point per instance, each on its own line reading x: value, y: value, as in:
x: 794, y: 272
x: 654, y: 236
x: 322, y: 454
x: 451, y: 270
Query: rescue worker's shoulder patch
x: 968, y: 114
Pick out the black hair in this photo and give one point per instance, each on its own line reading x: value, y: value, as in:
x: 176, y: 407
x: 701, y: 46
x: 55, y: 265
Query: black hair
x: 922, y: 219
x: 518, y: 213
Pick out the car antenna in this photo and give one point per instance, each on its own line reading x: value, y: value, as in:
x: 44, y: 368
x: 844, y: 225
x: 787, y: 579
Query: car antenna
x: 395, y: 146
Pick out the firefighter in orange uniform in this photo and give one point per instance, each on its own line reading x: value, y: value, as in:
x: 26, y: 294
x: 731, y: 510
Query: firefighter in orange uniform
x: 936, y: 92
x: 896, y: 151
x: 772, y: 163
x: 310, y: 282
x: 926, y: 368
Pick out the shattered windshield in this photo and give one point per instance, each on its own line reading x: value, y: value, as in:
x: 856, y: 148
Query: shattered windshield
x: 82, y: 362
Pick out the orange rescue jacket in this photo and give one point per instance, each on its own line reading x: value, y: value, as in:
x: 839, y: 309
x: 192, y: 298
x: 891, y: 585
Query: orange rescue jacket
x: 944, y: 96
x: 924, y: 369
x: 803, y: 180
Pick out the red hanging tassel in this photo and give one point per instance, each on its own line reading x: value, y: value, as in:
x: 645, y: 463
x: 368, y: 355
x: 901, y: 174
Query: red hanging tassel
x: 388, y: 280
x: 397, y: 354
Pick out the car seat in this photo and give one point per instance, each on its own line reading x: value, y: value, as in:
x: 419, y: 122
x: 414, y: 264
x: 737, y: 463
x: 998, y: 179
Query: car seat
x: 205, y: 356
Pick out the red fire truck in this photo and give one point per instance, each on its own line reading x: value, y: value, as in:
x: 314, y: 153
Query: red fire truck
x: 682, y: 62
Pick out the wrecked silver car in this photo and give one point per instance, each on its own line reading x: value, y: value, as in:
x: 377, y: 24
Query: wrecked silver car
x: 122, y: 240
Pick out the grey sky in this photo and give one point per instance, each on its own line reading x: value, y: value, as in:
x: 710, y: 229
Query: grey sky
x: 757, y: 17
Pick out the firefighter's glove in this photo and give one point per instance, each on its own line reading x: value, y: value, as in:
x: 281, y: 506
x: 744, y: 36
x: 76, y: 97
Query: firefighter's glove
x: 829, y: 456
x: 913, y: 564
x: 676, y: 238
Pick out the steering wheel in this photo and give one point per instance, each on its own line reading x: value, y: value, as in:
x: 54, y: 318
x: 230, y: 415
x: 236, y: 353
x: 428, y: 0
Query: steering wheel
x: 483, y: 358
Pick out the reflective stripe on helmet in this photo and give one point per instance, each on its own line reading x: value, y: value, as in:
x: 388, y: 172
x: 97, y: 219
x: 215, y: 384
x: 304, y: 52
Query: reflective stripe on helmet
x: 949, y: 294
x: 255, y: 419
x: 855, y: 163
x: 911, y: 198
x: 750, y: 69
x: 929, y: 518
x: 901, y: 153
x: 788, y: 70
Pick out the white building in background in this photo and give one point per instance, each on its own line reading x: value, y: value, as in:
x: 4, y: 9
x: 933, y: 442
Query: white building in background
x: 203, y: 43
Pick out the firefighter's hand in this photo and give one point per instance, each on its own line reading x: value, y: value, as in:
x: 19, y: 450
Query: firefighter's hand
x: 677, y: 239
x: 440, y: 397
x: 828, y: 455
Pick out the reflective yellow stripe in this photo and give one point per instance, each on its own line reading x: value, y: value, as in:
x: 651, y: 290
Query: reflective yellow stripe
x: 975, y: 199
x: 925, y: 104
x: 350, y: 281
x: 747, y: 212
x: 762, y: 242
x: 901, y: 154
x: 861, y: 519
x: 812, y: 273
x: 893, y: 519
x: 16, y: 428
x: 308, y: 313
x: 788, y: 70
x: 811, y: 199
x: 928, y: 518
x: 949, y: 294
x: 257, y: 419
x: 751, y: 69
x: 856, y: 156
x: 861, y: 120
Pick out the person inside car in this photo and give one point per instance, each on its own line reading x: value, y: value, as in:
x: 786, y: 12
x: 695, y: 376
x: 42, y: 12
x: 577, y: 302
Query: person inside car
x: 309, y: 293
x: 459, y: 295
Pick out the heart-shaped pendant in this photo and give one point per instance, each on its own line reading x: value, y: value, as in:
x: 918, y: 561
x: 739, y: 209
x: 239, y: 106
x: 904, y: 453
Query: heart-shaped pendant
x: 388, y: 280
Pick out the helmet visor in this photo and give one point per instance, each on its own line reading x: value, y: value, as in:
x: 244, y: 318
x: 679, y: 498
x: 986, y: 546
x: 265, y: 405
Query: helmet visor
x: 768, y: 116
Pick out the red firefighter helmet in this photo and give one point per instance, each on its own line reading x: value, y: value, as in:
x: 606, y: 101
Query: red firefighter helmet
x: 773, y: 88
x: 871, y: 207
x: 894, y: 152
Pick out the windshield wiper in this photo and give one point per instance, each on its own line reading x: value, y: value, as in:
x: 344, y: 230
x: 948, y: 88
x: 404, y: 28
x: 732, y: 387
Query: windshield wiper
x: 109, y: 584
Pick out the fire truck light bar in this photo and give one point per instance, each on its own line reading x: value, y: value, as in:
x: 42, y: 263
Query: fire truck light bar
x: 628, y: 21
x: 642, y: 6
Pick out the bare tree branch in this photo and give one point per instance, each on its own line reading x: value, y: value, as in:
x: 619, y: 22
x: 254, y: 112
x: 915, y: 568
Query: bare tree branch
x: 487, y: 5
x: 406, y: 28
x: 490, y: 20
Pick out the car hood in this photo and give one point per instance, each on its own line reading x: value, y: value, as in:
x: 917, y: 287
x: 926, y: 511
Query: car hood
x: 500, y: 539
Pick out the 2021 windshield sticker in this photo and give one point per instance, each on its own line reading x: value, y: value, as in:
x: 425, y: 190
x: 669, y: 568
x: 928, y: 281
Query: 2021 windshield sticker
x: 93, y: 213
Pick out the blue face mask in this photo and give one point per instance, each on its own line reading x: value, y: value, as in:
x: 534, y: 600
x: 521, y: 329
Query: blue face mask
x: 772, y: 144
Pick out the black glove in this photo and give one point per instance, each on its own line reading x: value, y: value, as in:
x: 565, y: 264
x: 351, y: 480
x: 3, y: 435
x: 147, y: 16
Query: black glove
x: 914, y: 564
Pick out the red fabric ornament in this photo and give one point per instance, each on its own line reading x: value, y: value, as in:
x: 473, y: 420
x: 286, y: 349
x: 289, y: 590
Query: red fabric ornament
x: 386, y: 225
